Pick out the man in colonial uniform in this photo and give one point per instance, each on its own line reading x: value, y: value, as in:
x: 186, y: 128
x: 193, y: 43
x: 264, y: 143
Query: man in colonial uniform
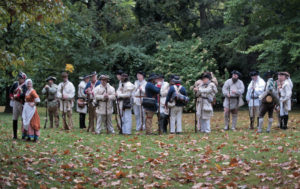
x: 138, y: 95
x: 255, y: 88
x: 196, y: 86
x: 65, y: 94
x: 82, y: 101
x: 104, y: 99
x: 285, y: 94
x: 124, y: 94
x: 152, y: 93
x: 177, y: 108
x: 269, y: 99
x: 17, y: 96
x: 90, y: 97
x: 206, y: 93
x: 232, y: 90
x: 164, y: 113
x: 50, y: 90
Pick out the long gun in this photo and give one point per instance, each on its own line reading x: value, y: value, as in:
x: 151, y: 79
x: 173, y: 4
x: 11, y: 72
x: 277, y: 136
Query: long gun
x: 196, y: 113
x: 120, y: 127
x: 63, y: 106
x: 229, y: 107
x: 253, y: 111
x: 158, y: 115
x: 141, y: 109
x: 46, y: 120
x: 106, y: 116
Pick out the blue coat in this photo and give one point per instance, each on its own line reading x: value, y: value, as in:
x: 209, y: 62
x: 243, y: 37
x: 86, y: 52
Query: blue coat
x: 88, y: 85
x: 170, y: 94
x: 151, y: 90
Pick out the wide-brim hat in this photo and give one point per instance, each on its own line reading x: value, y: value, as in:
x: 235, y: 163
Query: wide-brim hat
x: 104, y: 77
x: 254, y: 73
x: 236, y: 72
x: 51, y: 78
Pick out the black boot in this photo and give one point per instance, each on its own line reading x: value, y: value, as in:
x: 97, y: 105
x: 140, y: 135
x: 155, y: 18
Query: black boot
x: 257, y: 122
x: 285, y: 122
x: 251, y: 123
x: 15, y: 129
x: 161, y: 122
x: 281, y: 122
x: 165, y: 124
x: 82, y: 121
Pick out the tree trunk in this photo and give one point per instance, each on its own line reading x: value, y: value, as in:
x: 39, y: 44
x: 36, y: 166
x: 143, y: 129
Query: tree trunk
x: 7, y: 109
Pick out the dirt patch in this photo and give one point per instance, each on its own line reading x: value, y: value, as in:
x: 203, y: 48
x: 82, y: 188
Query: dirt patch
x: 2, y: 108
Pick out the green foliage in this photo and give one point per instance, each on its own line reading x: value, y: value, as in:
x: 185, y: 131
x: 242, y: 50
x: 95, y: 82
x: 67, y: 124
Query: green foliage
x: 188, y: 59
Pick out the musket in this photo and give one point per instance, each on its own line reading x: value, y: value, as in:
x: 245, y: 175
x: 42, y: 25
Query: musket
x: 63, y: 106
x: 158, y: 115
x: 120, y: 127
x: 141, y: 109
x: 106, y: 102
x: 229, y: 108
x: 196, y: 113
x: 253, y: 111
x: 46, y: 120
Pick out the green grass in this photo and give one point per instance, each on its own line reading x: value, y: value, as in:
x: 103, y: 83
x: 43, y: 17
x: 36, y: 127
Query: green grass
x: 221, y: 159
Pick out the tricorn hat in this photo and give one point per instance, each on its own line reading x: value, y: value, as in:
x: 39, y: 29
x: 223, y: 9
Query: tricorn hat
x: 152, y: 76
x: 119, y: 72
x: 206, y: 75
x: 84, y: 77
x: 22, y: 75
x: 93, y: 73
x: 124, y: 75
x: 284, y: 73
x: 254, y: 73
x: 141, y: 72
x: 176, y: 80
x: 236, y: 72
x: 104, y: 77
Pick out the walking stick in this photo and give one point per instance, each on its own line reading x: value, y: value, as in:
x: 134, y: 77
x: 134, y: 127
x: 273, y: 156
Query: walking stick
x: 196, y: 113
x: 120, y: 117
x: 46, y: 120
x: 106, y: 102
x: 158, y: 115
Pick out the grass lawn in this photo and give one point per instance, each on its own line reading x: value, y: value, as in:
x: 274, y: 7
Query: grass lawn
x: 240, y: 159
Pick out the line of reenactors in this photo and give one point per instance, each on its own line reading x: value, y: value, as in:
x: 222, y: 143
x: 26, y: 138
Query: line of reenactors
x: 99, y: 99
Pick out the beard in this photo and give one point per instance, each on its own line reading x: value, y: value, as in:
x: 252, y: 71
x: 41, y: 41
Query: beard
x: 234, y: 80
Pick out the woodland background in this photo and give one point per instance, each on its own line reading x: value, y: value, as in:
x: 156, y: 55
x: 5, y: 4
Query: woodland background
x: 185, y: 37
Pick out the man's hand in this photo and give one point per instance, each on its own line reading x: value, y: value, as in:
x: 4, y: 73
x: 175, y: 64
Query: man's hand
x: 47, y: 86
x: 65, y: 97
x: 106, y: 96
x: 195, y: 89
